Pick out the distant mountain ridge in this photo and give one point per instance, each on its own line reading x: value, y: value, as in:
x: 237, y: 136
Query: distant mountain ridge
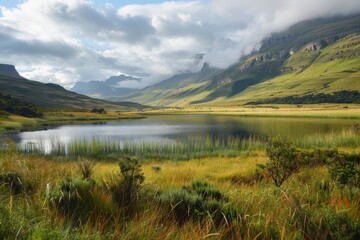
x: 105, y: 89
x: 51, y: 95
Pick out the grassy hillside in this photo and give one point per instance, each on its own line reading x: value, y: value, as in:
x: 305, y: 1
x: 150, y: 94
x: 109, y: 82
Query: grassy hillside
x: 331, y: 69
x: 179, y: 90
x: 289, y: 54
x: 52, y: 95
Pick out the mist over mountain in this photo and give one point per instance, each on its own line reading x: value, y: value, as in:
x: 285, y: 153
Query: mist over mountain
x: 110, y: 88
x: 316, y: 56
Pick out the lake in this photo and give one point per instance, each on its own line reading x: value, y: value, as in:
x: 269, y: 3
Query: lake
x: 168, y: 128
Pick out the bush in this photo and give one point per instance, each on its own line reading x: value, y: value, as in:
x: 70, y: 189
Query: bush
x: 198, y: 201
x: 283, y: 160
x: 79, y: 202
x: 126, y: 192
x: 317, y: 157
x: 325, y: 223
x: 206, y: 191
x: 343, y: 171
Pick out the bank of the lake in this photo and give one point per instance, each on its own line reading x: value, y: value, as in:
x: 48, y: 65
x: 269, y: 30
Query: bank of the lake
x: 341, y: 111
x: 14, y: 123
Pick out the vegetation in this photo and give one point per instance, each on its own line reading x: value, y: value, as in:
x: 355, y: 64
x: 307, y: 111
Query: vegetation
x: 52, y: 96
x: 283, y: 160
x: 15, y: 106
x: 223, y: 198
x: 193, y: 147
x: 16, y: 123
x: 336, y: 97
x: 98, y: 110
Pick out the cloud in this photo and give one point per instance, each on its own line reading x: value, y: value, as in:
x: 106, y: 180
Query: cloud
x: 63, y: 41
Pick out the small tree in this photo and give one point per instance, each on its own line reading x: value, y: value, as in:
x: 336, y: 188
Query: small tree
x: 283, y: 160
x: 126, y: 192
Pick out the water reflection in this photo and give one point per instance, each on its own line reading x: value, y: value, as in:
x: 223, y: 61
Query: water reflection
x: 171, y: 128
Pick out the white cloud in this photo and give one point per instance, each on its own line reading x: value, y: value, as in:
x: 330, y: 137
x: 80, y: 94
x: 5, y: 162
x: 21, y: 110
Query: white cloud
x: 64, y: 41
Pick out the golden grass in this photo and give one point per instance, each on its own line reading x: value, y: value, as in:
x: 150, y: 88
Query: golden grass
x: 271, y: 110
x: 263, y: 206
x: 180, y: 173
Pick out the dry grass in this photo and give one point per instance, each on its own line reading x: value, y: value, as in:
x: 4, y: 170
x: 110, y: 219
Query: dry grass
x: 267, y: 212
x: 351, y: 111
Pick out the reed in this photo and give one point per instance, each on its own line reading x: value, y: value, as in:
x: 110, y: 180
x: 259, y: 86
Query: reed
x: 190, y: 148
x: 347, y: 138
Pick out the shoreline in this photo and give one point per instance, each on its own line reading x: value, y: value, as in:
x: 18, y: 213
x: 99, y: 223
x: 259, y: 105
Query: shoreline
x: 15, y: 124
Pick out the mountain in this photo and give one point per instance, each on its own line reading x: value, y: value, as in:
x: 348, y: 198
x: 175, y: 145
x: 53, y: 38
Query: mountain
x: 294, y: 51
x: 318, y: 56
x: 180, y: 89
x: 107, y: 89
x: 50, y: 95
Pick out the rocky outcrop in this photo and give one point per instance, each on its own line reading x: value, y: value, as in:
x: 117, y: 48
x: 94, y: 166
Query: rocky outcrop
x: 313, y: 46
x: 8, y: 70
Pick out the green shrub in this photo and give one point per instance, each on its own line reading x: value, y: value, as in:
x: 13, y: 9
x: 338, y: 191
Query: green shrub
x: 283, y: 160
x: 343, y: 171
x: 206, y: 191
x: 126, y: 192
x: 341, y: 226
x: 79, y: 202
x: 198, y: 201
x: 317, y: 157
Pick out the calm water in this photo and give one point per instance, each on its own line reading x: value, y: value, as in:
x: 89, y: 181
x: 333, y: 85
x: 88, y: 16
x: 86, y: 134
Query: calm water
x: 171, y: 128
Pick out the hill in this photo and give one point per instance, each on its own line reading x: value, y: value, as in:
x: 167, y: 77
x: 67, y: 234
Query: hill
x: 49, y: 95
x: 180, y: 89
x: 311, y: 57
x: 107, y: 89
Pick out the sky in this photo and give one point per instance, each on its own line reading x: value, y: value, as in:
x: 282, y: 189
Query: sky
x: 65, y: 41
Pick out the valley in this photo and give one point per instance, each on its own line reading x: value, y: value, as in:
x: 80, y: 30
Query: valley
x: 265, y: 148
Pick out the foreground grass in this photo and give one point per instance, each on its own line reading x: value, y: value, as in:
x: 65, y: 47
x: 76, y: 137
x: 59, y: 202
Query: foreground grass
x: 309, y: 199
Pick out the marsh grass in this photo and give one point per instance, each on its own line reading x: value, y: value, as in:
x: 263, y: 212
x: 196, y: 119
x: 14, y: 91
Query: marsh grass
x: 191, y: 148
x: 347, y: 138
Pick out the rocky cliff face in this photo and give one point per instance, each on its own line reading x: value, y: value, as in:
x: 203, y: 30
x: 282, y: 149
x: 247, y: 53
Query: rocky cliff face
x: 8, y: 70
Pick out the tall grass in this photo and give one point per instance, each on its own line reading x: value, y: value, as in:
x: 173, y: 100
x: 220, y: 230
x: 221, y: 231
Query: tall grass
x: 309, y: 205
x: 190, y: 148
x: 346, y: 138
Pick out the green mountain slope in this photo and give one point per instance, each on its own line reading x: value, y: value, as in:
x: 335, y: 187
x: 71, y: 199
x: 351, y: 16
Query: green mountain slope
x: 332, y: 69
x: 179, y: 90
x: 49, y: 95
x: 315, y: 56
x: 280, y: 53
